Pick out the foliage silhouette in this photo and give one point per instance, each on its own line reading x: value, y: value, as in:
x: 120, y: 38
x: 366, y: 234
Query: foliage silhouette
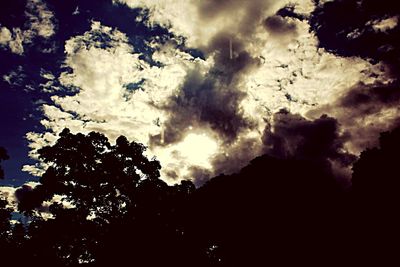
x: 274, y: 212
x: 376, y: 200
x: 4, y: 211
x: 6, y: 238
x: 111, y: 195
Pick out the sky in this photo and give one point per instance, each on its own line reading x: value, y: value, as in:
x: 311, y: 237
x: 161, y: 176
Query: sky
x: 205, y: 85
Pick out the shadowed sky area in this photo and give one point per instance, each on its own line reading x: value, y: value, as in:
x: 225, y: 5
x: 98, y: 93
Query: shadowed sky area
x: 14, y: 124
x: 207, y: 86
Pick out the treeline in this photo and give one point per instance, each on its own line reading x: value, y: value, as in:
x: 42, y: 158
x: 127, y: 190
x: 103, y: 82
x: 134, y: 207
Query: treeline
x: 116, y: 211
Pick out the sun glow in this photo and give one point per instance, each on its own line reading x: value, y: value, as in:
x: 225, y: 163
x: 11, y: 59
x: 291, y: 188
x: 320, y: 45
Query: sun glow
x: 198, y: 148
x: 195, y: 150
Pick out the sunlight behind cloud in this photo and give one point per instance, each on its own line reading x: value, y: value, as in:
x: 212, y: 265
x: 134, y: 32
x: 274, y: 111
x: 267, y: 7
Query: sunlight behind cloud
x: 195, y: 150
x: 198, y: 148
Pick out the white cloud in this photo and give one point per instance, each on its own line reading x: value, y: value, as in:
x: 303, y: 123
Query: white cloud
x: 5, y: 36
x: 200, y: 21
x: 40, y: 19
x: 8, y: 193
x: 386, y: 24
x: 39, y: 23
x: 16, y: 44
x: 300, y: 76
x: 13, y: 40
x: 195, y: 150
x: 15, y: 77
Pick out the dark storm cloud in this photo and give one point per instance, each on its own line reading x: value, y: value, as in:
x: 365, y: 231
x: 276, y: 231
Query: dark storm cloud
x: 279, y: 25
x: 352, y: 28
x: 293, y: 136
x: 241, y: 61
x: 289, y: 11
x: 369, y: 99
x: 212, y: 99
x: 361, y: 102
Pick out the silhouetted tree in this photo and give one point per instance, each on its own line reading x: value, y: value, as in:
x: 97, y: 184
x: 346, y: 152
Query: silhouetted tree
x: 376, y: 177
x: 91, y: 174
x: 376, y: 201
x: 4, y: 211
x: 275, y: 212
x: 5, y: 233
x: 111, y: 196
x: 5, y: 216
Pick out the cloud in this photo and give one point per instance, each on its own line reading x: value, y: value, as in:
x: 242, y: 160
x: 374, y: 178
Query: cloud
x: 237, y: 155
x: 9, y: 193
x: 293, y: 136
x: 207, y: 18
x: 279, y: 25
x: 15, y: 195
x: 370, y: 31
x: 210, y: 100
x: 385, y: 25
x: 15, y: 77
x: 5, y: 36
x: 39, y: 23
x: 364, y: 111
x: 16, y: 44
x: 255, y: 62
x: 103, y: 68
x: 40, y: 19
